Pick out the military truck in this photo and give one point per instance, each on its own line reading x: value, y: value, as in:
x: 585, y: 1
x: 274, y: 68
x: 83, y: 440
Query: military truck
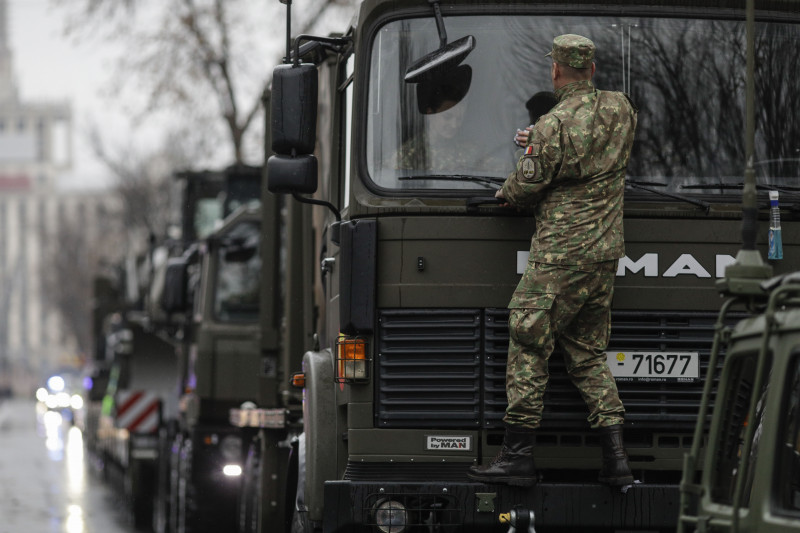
x: 177, y: 353
x: 210, y: 297
x: 132, y: 381
x: 139, y: 399
x: 750, y: 477
x: 405, y: 134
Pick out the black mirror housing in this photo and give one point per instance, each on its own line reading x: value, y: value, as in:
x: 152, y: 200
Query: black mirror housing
x: 294, y: 175
x: 175, y: 299
x: 440, y: 61
x: 294, y: 108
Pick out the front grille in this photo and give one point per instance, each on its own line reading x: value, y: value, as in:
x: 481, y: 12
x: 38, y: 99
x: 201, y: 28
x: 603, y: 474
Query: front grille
x: 429, y: 368
x: 446, y: 368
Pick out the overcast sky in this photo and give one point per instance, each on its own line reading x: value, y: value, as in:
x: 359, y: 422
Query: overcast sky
x: 52, y: 68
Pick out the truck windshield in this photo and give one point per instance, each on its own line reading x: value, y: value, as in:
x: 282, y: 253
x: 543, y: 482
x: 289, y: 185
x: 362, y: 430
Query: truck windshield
x: 687, y: 77
x: 239, y: 265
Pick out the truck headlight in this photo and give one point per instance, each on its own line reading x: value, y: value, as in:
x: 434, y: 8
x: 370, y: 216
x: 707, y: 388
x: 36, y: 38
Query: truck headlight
x: 391, y: 517
x: 232, y: 470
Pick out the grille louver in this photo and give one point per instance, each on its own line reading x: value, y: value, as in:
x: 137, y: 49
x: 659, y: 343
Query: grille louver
x: 429, y: 368
x: 446, y: 368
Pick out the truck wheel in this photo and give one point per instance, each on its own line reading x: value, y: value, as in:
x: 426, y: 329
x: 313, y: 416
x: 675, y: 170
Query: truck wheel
x: 186, y: 490
x: 302, y: 524
x: 163, y: 485
x: 174, y: 459
x: 251, y: 490
x: 141, y: 494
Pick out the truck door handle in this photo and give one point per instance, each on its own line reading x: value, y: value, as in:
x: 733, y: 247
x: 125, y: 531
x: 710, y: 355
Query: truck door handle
x: 326, y: 265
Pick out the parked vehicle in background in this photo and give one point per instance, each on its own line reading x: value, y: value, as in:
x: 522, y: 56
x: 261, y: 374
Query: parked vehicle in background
x: 177, y: 355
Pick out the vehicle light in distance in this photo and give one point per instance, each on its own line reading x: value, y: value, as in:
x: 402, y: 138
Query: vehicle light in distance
x: 42, y: 394
x: 351, y: 359
x: 232, y: 470
x: 391, y: 517
x: 76, y: 402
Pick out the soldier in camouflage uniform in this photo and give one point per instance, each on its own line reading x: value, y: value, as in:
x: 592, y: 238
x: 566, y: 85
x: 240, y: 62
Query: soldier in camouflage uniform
x: 572, y: 174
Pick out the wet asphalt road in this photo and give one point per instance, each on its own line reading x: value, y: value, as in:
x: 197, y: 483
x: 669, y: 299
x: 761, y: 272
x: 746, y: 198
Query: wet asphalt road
x: 45, y: 483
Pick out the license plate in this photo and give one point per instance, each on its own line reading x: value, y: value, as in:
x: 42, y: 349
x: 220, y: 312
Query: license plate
x: 654, y: 366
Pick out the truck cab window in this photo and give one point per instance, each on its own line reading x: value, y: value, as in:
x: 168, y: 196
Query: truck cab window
x: 728, y: 463
x: 238, y: 267
x: 686, y: 77
x: 787, y: 466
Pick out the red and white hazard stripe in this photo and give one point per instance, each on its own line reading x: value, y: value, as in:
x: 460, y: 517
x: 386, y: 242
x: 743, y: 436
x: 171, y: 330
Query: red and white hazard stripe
x: 137, y: 411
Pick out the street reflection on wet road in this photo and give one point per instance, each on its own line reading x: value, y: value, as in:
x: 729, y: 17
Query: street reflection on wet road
x: 45, y: 483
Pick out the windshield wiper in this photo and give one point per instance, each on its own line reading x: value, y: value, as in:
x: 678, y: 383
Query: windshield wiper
x: 638, y: 185
x: 763, y: 187
x: 485, y: 180
x: 646, y: 183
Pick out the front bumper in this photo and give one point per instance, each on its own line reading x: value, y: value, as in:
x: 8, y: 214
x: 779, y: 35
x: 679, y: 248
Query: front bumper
x: 351, y: 506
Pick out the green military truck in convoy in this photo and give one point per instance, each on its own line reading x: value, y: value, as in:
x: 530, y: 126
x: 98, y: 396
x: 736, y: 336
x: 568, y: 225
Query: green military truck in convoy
x: 179, y: 356
x: 750, y: 479
x: 402, y: 126
x: 209, y: 305
x: 750, y: 482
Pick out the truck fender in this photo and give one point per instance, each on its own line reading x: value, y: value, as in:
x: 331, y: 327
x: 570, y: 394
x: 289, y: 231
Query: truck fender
x: 319, y: 417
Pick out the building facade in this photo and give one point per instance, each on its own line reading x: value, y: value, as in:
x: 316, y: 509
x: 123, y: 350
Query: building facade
x: 35, y: 149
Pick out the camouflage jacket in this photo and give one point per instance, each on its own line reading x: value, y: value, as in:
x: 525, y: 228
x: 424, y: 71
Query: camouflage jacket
x: 572, y: 173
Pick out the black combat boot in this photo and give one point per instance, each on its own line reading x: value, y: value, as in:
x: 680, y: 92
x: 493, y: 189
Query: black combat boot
x: 615, y: 471
x: 514, y: 462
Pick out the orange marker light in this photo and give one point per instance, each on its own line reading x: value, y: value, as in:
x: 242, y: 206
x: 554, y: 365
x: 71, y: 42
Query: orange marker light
x: 299, y: 380
x: 351, y: 357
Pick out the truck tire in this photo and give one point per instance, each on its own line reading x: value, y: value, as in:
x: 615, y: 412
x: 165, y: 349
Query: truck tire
x: 302, y: 524
x: 141, y: 485
x: 187, y: 508
x: 251, y: 490
x: 174, y: 459
x: 163, y: 484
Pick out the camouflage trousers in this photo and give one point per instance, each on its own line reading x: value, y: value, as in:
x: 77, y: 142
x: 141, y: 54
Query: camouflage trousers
x: 570, y: 305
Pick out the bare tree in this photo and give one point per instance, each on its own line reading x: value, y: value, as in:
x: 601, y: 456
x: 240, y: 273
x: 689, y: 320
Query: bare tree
x: 75, y: 256
x: 207, y: 60
x: 143, y: 185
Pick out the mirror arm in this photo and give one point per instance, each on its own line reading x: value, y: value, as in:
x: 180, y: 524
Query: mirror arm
x: 314, y: 201
x: 337, y: 44
x: 437, y: 12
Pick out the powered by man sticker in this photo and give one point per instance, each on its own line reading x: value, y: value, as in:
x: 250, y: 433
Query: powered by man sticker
x: 450, y: 442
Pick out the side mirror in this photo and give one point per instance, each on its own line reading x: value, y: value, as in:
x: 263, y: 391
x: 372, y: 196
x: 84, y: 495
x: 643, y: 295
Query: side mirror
x: 440, y: 61
x: 175, y: 299
x: 440, y: 93
x: 294, y: 175
x: 294, y: 109
x: 240, y: 250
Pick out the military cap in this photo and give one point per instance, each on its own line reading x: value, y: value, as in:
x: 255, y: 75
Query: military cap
x: 572, y: 50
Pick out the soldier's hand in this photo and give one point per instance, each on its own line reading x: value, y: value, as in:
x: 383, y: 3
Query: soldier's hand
x: 521, y: 138
x: 499, y: 194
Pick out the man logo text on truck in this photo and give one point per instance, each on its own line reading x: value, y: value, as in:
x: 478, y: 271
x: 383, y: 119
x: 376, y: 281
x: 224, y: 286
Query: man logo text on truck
x: 648, y: 264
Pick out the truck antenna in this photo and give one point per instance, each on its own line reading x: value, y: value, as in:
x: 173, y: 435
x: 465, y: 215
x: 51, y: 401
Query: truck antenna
x: 744, y: 276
